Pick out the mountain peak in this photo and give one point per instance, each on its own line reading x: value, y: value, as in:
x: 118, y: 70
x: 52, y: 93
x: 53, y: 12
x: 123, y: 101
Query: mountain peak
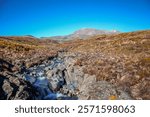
x: 83, y: 33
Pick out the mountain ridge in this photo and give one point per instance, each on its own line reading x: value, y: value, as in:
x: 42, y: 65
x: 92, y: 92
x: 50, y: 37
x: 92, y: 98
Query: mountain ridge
x: 82, y: 33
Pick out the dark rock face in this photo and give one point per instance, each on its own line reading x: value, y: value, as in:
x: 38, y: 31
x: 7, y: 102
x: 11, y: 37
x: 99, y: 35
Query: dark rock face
x: 15, y: 88
x: 4, y: 65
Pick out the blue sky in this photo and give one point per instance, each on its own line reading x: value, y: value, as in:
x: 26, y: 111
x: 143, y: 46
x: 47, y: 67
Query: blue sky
x: 60, y: 17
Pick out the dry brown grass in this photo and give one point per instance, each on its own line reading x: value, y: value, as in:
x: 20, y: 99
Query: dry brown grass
x: 122, y: 59
x: 26, y: 50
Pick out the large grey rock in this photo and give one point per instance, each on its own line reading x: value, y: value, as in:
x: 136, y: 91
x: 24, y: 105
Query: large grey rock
x: 56, y: 79
x: 103, y: 90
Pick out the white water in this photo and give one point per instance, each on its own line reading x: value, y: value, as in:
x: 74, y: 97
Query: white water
x: 37, y: 77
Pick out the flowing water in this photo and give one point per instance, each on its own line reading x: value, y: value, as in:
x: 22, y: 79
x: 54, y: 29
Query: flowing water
x: 49, y: 87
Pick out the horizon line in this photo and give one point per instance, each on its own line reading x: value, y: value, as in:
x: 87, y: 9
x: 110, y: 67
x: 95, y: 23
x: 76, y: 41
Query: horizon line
x: 32, y: 35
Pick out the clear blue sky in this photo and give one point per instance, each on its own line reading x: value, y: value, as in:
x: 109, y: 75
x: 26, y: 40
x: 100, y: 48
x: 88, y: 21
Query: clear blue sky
x: 60, y: 17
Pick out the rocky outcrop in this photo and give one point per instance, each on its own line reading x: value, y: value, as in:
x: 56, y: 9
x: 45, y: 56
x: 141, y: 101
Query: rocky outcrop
x: 86, y: 85
x: 12, y: 88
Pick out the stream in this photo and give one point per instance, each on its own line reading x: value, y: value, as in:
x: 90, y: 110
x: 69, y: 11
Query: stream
x: 50, y: 80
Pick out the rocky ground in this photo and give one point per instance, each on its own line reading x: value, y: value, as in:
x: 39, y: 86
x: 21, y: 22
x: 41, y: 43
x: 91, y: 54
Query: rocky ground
x: 101, y: 67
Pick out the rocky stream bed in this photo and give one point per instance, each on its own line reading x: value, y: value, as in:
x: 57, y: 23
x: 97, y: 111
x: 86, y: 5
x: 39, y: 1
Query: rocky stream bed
x: 49, y: 78
x: 58, y: 78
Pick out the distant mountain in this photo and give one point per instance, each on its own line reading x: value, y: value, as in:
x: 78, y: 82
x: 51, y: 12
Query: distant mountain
x: 86, y: 32
x: 82, y: 34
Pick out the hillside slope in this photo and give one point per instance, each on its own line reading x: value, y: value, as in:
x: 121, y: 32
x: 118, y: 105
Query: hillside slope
x: 121, y: 59
x: 100, y: 67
